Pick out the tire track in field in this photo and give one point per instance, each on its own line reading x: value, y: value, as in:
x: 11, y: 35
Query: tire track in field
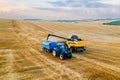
x: 55, y: 68
x: 58, y: 66
x: 11, y: 75
x: 37, y: 65
x: 105, y: 59
x: 50, y: 29
x: 98, y: 63
x: 9, y: 67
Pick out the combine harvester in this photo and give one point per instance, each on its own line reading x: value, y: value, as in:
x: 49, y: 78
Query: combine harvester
x: 74, y: 44
x: 57, y: 49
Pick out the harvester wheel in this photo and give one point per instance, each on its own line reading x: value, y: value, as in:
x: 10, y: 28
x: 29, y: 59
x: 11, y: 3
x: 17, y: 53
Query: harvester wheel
x: 71, y: 50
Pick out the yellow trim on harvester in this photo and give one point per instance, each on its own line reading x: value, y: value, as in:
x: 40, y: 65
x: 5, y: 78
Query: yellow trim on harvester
x: 75, y: 44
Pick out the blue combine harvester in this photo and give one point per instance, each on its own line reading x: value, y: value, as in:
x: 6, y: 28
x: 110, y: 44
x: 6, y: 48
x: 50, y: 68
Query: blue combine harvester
x: 57, y: 49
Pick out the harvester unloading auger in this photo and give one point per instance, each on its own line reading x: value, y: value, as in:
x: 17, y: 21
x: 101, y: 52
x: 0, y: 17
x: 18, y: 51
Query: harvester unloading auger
x: 73, y: 43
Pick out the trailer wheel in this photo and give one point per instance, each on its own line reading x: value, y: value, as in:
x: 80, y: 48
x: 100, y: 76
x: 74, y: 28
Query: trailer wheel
x: 44, y: 49
x: 62, y: 56
x: 54, y: 53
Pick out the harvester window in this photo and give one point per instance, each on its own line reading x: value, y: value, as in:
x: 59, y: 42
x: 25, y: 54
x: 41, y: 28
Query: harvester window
x: 74, y: 37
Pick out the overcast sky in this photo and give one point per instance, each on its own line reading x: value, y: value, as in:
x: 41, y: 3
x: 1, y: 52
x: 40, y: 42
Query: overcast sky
x: 60, y: 9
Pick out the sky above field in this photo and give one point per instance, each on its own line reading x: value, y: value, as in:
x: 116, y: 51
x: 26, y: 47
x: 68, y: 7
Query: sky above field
x: 60, y: 9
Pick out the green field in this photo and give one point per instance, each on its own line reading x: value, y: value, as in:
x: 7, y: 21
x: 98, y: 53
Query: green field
x: 113, y: 23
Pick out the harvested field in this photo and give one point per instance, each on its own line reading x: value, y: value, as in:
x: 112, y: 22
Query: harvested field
x: 21, y: 57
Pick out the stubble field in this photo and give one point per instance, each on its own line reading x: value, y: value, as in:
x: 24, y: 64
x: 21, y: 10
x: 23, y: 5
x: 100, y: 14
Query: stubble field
x: 21, y: 57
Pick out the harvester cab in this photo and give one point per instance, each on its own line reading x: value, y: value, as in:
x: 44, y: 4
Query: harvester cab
x: 75, y: 38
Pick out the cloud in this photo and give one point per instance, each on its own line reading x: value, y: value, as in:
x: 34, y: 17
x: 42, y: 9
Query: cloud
x: 58, y: 3
x: 85, y: 8
x: 73, y: 6
x: 7, y: 9
x: 1, y: 1
x: 49, y: 9
x: 60, y: 9
x: 111, y: 2
x: 80, y: 3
